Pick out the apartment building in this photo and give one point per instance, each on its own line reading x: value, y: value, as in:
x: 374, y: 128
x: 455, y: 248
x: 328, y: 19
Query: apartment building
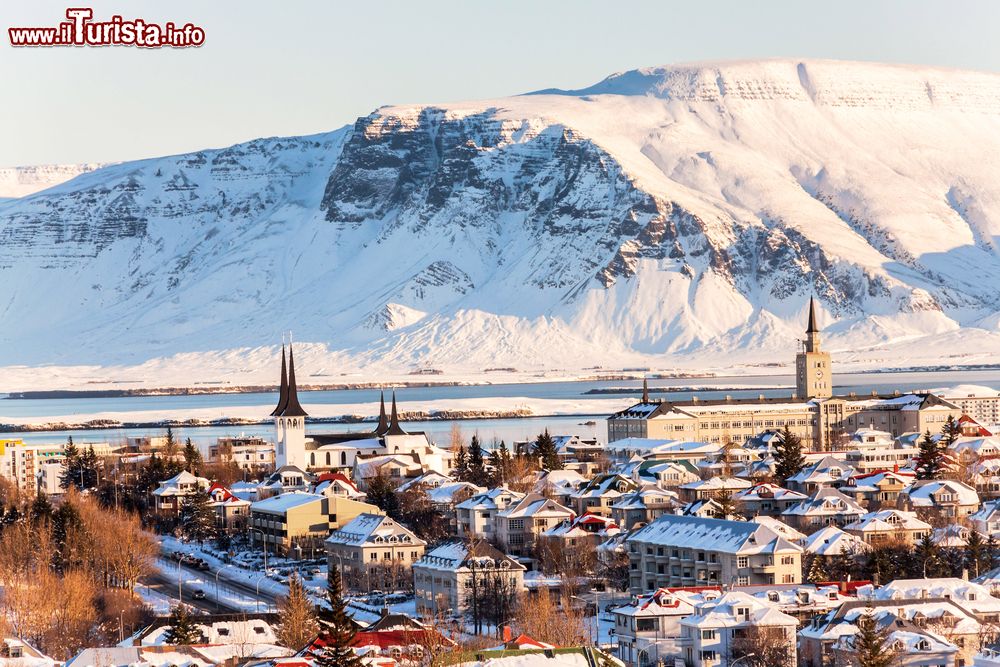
x: 372, y: 542
x: 302, y: 519
x: 694, y: 551
x: 520, y: 524
x: 889, y: 526
x: 724, y: 629
x: 476, y: 516
x: 447, y: 576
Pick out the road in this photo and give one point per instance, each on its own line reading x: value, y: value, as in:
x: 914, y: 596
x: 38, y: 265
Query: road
x: 233, y: 596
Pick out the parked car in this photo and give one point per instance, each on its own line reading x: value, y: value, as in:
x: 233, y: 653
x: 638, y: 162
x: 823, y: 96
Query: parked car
x: 198, y: 594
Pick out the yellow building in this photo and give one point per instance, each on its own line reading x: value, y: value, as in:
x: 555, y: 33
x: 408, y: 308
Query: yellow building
x: 823, y: 422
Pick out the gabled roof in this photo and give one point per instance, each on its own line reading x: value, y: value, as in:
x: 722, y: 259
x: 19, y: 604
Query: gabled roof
x: 370, y: 529
x: 711, y: 534
x: 832, y: 541
x: 456, y: 555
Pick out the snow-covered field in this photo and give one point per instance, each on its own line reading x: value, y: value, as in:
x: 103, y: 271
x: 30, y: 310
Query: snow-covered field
x: 537, y: 406
x: 670, y: 218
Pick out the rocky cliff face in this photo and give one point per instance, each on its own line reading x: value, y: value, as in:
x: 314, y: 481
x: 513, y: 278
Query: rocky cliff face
x: 666, y: 214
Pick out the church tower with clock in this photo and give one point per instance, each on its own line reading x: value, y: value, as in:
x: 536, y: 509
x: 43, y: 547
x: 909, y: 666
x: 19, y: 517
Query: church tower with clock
x: 813, y: 374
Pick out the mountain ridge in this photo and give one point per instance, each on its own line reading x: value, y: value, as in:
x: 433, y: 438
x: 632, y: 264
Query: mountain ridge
x: 683, y: 223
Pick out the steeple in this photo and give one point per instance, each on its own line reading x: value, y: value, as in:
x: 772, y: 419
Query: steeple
x: 283, y: 390
x: 383, y: 423
x: 645, y: 391
x: 292, y: 407
x: 394, y: 427
x: 812, y: 328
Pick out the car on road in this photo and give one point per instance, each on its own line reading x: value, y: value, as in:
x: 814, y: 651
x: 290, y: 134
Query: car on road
x: 198, y: 594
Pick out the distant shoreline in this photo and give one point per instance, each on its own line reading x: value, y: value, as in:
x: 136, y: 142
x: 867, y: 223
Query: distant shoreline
x: 410, y: 417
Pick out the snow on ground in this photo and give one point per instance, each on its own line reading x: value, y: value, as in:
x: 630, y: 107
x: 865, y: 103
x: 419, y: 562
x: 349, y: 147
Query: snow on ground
x: 746, y: 187
x: 537, y: 406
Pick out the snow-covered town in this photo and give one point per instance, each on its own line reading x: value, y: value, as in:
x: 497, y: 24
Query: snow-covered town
x: 437, y: 333
x: 810, y: 530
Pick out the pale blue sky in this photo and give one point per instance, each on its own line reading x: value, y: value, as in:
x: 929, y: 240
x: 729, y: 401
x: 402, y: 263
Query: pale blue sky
x: 286, y: 67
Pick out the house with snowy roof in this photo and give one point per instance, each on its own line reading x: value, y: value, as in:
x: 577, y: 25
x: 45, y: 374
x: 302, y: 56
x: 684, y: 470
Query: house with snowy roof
x: 880, y: 488
x: 826, y: 472
x: 284, y: 479
x: 337, y: 484
x: 599, y: 494
x: 519, y: 524
x: 889, y: 525
x: 230, y: 511
x: 169, y: 496
x: 831, y: 542
x: 642, y: 506
x: 583, y: 532
x: 987, y: 519
x: 766, y: 499
x: 443, y: 577
x: 647, y: 630
x: 913, y: 628
x: 693, y: 551
x: 713, y: 487
x: 726, y: 628
x: 780, y: 527
x: 828, y: 507
x: 974, y: 597
x: 948, y: 498
x: 19, y: 653
x: 372, y: 546
x: 477, y: 514
x: 559, y: 485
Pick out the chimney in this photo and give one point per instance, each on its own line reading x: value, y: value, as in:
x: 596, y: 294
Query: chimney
x: 508, y: 636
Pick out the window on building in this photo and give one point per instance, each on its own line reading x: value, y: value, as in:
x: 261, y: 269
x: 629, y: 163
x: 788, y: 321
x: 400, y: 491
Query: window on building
x: 708, y: 634
x: 742, y: 561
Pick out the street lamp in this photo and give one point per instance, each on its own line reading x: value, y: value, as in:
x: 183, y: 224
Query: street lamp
x: 263, y: 541
x: 258, y: 592
x: 217, y: 573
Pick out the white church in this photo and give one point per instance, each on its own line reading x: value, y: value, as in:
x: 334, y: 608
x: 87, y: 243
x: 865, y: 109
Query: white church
x: 388, y: 449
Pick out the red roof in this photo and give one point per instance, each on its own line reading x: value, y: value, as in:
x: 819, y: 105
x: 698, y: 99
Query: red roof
x: 336, y: 477
x: 227, y: 496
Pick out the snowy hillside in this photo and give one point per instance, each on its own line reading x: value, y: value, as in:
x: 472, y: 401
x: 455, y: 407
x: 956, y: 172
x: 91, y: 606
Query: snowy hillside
x: 668, y: 217
x: 20, y: 181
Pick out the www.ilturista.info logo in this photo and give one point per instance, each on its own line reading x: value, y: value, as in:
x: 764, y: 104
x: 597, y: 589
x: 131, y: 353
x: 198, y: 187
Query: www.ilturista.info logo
x: 80, y: 30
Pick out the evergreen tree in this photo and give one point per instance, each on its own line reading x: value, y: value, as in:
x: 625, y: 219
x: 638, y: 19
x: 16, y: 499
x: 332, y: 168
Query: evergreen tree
x: 950, y: 432
x: 788, y: 458
x: 843, y: 565
x: 930, y: 458
x: 90, y: 468
x: 192, y: 457
x: 336, y: 629
x: 545, y: 450
x: 977, y: 560
x: 818, y: 570
x: 170, y: 447
x: 871, y: 648
x: 41, y: 508
x: 477, y: 463
x: 992, y: 551
x: 501, y: 462
x: 462, y: 464
x: 183, y: 630
x: 296, y: 616
x: 726, y: 508
x: 198, y: 519
x: 65, y: 521
x: 925, y: 556
x: 72, y: 472
x: 382, y: 494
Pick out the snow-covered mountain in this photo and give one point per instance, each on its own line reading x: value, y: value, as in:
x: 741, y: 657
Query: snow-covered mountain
x: 676, y: 216
x: 21, y: 181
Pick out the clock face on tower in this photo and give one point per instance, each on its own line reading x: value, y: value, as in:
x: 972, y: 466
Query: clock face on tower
x: 819, y: 373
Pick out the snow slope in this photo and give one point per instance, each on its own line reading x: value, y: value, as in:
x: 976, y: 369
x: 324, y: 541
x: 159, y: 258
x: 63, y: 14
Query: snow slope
x: 666, y: 217
x: 21, y: 181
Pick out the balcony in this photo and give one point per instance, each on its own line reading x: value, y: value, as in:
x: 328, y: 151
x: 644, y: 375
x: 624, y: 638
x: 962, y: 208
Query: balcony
x: 763, y: 568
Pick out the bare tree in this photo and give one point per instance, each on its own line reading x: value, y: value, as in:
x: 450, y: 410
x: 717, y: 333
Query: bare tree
x: 541, y: 618
x: 770, y: 646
